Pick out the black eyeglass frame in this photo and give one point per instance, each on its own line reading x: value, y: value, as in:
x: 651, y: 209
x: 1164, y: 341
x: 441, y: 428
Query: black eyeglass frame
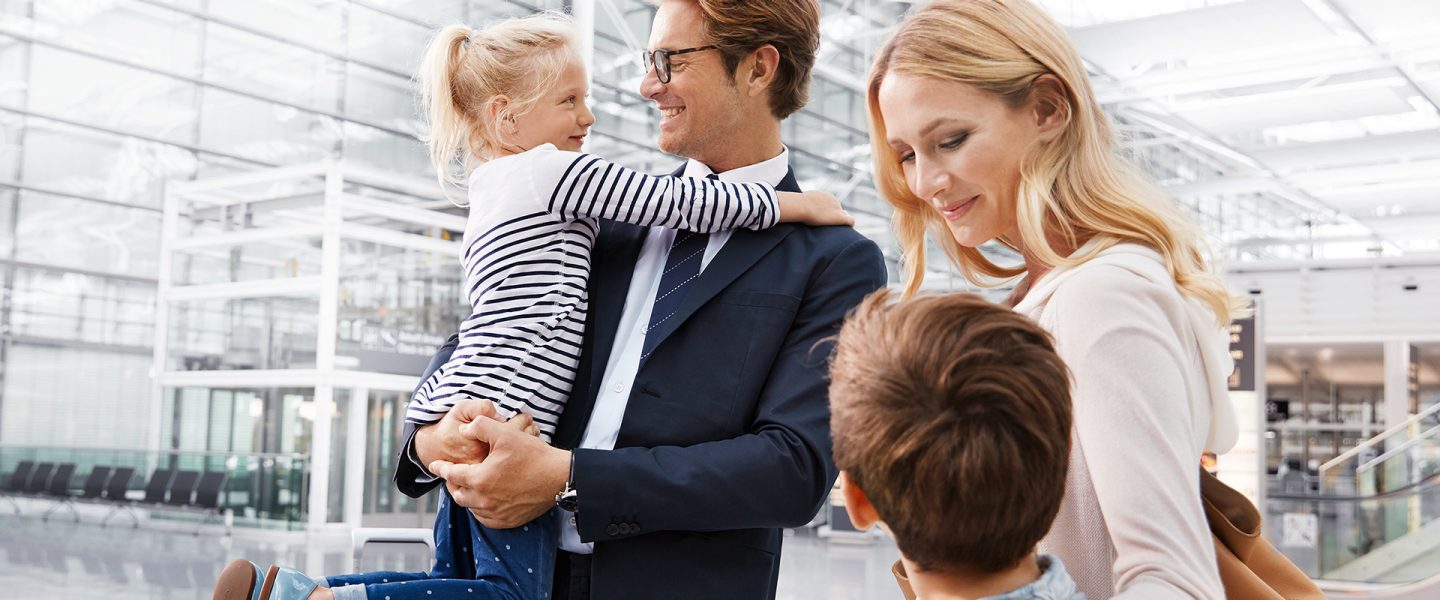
x: 659, y: 60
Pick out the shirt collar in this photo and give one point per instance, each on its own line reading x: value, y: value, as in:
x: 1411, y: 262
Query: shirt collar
x: 770, y: 171
x: 1054, y: 583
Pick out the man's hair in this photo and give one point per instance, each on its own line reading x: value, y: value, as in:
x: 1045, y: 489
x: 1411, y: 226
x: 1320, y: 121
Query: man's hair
x: 738, y: 27
x: 952, y: 414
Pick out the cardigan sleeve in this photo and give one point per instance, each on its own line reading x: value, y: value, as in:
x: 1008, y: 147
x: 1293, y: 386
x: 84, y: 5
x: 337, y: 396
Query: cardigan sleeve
x: 1141, y: 426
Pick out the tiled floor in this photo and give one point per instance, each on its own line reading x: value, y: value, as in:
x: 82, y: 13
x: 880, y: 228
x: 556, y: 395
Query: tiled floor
x: 62, y: 559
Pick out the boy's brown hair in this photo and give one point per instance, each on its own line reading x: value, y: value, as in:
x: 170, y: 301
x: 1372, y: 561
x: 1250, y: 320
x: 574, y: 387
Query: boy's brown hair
x: 738, y: 27
x: 952, y: 415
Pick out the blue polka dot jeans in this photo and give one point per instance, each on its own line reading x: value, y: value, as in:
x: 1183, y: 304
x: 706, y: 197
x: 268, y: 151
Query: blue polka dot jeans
x: 471, y: 561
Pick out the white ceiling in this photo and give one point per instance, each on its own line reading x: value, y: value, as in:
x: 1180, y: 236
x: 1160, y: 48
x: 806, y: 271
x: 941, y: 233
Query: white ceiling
x: 1327, y: 105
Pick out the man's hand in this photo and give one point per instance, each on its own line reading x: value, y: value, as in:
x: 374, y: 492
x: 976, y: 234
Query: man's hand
x: 443, y: 440
x: 515, y: 484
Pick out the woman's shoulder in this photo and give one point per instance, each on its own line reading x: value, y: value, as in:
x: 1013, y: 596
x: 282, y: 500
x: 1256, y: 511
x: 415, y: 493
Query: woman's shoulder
x: 1124, y: 283
x: 1122, y: 270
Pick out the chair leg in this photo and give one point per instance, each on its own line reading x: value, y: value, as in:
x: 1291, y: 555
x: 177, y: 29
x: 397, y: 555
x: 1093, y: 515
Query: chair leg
x: 61, y: 503
x: 106, y: 521
x: 74, y: 512
x: 125, y: 507
x: 202, y: 524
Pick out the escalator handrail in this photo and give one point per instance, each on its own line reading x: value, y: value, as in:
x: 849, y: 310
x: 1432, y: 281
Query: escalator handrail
x: 1424, y: 588
x: 1332, y: 463
x: 1370, y: 464
x: 1408, y: 489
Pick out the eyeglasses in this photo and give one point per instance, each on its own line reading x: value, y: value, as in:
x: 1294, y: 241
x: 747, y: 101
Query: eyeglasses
x: 660, y: 60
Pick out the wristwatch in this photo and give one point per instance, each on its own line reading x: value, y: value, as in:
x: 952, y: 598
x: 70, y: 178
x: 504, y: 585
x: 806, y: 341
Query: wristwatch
x: 569, y: 498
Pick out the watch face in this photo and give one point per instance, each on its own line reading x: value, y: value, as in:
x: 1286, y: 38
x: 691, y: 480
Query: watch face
x: 570, y: 501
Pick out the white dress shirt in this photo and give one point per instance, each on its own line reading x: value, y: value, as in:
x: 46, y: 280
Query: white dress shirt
x: 624, y: 364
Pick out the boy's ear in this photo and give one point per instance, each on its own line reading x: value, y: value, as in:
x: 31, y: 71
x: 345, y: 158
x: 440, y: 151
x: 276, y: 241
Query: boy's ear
x: 862, y: 513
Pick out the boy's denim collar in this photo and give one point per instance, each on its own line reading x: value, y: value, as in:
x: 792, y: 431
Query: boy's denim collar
x: 1054, y: 584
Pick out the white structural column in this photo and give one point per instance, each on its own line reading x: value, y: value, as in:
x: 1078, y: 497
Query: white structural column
x: 356, y: 412
x: 1397, y: 382
x: 583, y: 12
x: 168, y: 231
x: 325, y: 349
x: 1397, y: 411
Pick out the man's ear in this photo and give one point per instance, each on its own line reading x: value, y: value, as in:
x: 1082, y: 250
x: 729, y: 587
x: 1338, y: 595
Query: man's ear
x: 862, y: 513
x: 758, y: 70
x: 1049, y: 105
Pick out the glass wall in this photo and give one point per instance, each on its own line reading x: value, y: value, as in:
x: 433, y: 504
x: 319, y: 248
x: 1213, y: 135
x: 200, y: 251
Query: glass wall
x: 105, y: 103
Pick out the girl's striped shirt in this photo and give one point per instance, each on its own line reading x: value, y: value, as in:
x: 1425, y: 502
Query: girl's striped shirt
x: 526, y: 253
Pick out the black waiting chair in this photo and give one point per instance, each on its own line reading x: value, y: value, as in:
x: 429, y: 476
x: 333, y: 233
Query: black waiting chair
x: 19, y: 478
x: 60, y: 480
x: 158, y: 485
x: 59, y: 487
x: 40, y: 479
x: 117, y: 489
x: 182, y: 488
x: 207, y: 498
x: 95, y: 483
x: 208, y: 494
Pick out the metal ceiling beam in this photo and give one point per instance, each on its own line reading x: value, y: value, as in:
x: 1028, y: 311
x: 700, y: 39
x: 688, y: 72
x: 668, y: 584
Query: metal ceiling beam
x: 1193, y: 134
x: 1399, y: 66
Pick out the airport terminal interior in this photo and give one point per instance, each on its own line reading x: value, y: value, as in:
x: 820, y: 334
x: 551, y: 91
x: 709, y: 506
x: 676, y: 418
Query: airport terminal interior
x: 225, y: 260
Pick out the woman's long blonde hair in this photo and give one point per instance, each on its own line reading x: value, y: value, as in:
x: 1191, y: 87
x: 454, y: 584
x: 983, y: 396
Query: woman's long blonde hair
x: 465, y: 69
x: 1072, y: 190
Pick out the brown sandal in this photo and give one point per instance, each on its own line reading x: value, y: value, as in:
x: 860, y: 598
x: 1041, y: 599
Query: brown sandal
x: 240, y: 580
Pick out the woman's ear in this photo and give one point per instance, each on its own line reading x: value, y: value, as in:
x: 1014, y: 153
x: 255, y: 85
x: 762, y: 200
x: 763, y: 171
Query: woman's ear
x: 1050, y: 105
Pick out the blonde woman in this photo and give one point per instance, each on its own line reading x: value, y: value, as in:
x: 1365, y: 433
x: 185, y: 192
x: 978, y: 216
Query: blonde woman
x: 985, y: 128
x: 508, y: 102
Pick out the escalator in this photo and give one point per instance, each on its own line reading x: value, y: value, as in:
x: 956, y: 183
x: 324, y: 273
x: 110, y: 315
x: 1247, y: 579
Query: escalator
x: 1373, y: 528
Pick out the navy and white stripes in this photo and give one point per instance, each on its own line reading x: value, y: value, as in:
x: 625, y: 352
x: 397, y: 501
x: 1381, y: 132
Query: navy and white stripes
x: 533, y: 221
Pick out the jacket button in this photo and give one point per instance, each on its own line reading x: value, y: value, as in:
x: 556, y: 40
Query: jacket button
x: 612, y: 529
x: 634, y: 528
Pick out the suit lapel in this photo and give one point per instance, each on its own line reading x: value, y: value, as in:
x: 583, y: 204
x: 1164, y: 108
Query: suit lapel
x: 742, y: 251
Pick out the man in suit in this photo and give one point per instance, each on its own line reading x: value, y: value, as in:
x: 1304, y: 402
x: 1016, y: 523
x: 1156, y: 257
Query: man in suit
x: 698, y: 423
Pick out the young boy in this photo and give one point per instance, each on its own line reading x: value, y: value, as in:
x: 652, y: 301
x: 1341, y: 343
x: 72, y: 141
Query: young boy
x: 951, y: 420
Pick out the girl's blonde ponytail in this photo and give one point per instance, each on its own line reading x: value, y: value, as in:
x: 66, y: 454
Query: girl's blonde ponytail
x: 465, y: 69
x: 448, y: 124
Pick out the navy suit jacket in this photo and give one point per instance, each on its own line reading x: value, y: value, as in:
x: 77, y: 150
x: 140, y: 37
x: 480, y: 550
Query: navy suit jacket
x: 726, y: 436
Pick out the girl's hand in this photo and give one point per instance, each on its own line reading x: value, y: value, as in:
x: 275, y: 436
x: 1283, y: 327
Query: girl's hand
x: 813, y: 208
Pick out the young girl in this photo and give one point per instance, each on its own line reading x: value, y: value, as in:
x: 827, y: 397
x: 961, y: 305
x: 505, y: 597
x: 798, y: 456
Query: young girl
x: 511, y: 99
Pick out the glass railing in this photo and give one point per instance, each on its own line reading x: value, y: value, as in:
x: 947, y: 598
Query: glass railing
x: 260, y: 490
x: 1392, y: 538
x: 1396, y: 459
x: 1376, y: 517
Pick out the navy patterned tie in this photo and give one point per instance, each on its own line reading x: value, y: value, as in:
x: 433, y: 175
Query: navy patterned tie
x: 682, y: 266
